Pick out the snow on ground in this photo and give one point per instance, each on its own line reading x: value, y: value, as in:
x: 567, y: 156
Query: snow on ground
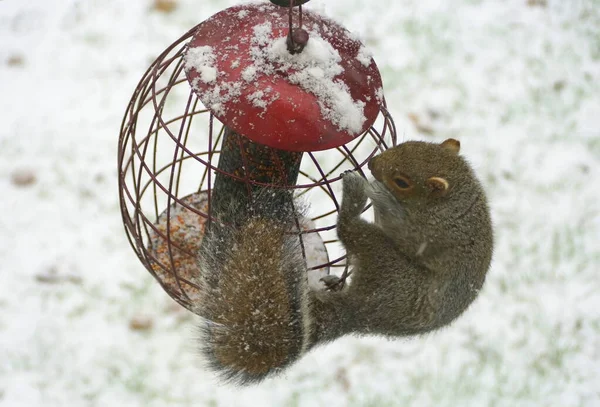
x: 517, y: 81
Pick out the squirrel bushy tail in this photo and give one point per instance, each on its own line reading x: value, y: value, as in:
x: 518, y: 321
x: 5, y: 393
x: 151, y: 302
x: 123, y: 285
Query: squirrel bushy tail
x: 254, y: 304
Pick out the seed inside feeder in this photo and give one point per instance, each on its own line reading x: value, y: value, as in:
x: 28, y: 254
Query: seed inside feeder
x: 185, y: 232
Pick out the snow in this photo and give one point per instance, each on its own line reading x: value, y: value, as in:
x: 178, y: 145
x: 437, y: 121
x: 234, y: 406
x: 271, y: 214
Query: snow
x: 262, y: 98
x: 249, y: 73
x: 202, y: 59
x: 518, y: 85
x: 262, y: 34
x: 364, y: 56
x: 314, y: 70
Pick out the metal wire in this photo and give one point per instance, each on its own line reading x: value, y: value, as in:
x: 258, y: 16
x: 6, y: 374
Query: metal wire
x: 169, y: 145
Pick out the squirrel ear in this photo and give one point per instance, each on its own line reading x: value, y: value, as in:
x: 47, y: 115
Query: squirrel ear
x: 452, y: 145
x: 439, y: 186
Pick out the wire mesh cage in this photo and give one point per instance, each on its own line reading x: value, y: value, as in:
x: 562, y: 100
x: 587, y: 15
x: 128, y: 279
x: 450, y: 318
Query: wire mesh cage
x: 169, y: 158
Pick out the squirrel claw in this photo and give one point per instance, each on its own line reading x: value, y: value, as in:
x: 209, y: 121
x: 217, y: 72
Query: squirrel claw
x: 345, y: 173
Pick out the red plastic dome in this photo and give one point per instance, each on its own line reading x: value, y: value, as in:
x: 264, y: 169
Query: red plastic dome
x: 323, y: 97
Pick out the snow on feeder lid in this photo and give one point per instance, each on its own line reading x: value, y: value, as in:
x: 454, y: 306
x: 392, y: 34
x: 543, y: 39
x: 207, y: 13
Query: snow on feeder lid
x: 322, y: 97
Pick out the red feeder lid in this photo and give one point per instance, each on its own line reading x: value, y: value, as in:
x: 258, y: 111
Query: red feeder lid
x: 323, y: 97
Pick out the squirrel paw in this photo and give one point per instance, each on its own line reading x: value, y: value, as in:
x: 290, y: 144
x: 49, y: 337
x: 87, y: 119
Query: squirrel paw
x: 354, y: 197
x: 332, y: 283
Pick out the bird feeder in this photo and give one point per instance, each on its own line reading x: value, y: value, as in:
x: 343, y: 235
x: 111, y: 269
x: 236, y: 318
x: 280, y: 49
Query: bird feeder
x: 258, y: 95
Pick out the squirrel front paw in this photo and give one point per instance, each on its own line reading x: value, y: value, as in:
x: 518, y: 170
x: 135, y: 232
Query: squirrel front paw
x: 354, y: 197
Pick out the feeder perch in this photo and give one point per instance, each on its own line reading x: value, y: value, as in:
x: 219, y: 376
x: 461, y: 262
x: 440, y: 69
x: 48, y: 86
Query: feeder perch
x: 234, y: 106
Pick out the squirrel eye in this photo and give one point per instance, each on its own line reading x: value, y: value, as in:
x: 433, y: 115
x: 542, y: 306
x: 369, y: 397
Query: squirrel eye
x: 401, y: 182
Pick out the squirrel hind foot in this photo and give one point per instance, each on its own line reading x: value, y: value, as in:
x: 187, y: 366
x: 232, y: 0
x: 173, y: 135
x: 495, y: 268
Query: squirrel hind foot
x: 332, y: 282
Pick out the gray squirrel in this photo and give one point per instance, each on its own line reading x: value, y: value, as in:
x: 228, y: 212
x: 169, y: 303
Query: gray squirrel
x: 415, y: 269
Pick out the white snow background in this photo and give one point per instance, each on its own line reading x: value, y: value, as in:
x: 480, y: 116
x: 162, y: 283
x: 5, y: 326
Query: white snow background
x: 517, y: 81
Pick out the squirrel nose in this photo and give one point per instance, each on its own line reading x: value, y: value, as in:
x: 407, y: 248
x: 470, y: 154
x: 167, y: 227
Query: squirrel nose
x: 373, y: 167
x: 371, y: 163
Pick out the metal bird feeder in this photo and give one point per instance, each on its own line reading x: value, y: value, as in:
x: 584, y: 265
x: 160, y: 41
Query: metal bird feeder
x: 258, y: 95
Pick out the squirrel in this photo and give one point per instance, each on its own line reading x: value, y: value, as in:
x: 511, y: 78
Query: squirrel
x: 414, y: 270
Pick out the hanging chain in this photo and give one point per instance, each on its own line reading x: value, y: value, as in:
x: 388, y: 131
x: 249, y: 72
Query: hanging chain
x: 297, y: 37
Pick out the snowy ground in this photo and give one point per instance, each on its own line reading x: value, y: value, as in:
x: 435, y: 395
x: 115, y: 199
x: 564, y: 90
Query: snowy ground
x: 517, y: 81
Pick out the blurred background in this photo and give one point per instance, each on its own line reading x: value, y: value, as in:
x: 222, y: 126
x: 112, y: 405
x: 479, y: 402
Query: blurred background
x: 82, y: 323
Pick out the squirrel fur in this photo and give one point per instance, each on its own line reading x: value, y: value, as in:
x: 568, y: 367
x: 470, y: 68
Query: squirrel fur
x: 414, y: 270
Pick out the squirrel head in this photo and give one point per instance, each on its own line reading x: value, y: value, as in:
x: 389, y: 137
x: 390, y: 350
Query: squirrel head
x: 418, y: 173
